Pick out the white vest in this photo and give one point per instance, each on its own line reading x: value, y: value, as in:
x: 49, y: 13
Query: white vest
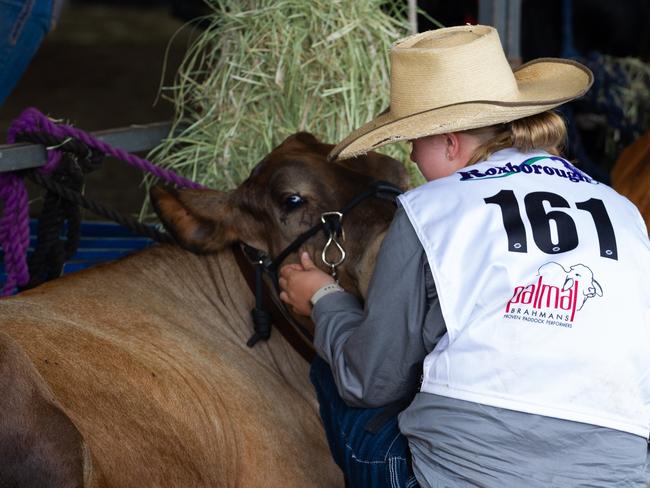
x: 542, y: 276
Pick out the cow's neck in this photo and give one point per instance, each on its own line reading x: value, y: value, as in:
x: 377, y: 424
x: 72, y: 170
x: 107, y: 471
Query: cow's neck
x: 213, y: 291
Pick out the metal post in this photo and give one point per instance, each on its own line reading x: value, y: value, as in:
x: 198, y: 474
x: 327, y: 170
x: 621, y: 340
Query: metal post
x: 494, y: 13
x: 413, y: 15
x: 513, y: 51
x: 505, y: 16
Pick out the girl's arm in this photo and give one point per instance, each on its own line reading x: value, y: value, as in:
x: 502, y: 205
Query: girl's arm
x: 376, y: 353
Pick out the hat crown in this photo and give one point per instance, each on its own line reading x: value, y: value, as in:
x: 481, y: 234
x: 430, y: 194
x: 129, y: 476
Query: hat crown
x: 449, y: 66
x: 458, y: 78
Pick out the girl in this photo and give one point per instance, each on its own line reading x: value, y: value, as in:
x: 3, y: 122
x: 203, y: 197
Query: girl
x: 508, y: 310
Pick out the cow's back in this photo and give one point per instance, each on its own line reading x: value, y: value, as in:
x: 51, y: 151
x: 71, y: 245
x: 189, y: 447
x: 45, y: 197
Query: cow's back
x: 147, y: 358
x: 631, y: 175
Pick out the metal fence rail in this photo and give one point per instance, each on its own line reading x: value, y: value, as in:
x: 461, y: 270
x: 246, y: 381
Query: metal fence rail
x: 134, y: 138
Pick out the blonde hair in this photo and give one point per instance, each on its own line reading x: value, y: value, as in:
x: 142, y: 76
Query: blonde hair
x: 546, y: 131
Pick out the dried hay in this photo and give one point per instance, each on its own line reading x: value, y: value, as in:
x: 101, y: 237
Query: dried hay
x: 264, y: 69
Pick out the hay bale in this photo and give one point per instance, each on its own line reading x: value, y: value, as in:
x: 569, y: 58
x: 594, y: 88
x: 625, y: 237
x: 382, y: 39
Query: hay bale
x: 264, y: 69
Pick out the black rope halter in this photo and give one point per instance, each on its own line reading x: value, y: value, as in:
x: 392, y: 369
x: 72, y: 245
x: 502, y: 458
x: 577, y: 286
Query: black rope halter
x: 331, y: 224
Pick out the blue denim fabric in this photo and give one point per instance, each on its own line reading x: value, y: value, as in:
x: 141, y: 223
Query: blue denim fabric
x: 23, y: 25
x: 378, y: 459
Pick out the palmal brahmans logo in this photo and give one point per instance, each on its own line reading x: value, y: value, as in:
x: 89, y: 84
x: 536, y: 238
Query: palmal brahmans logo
x: 556, y: 295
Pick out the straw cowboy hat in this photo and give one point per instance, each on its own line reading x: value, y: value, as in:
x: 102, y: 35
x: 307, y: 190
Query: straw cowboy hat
x: 458, y: 78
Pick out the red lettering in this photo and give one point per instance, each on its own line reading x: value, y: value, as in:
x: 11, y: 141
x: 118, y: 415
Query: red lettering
x: 537, y: 293
x: 527, y: 294
x: 515, y: 297
x: 545, y: 296
x: 575, y: 299
x: 547, y: 290
x: 566, y: 300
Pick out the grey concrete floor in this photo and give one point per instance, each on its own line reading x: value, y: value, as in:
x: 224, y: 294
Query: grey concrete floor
x: 101, y: 68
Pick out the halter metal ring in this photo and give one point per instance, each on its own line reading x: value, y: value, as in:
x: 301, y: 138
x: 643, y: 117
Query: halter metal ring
x: 332, y: 240
x: 324, y: 215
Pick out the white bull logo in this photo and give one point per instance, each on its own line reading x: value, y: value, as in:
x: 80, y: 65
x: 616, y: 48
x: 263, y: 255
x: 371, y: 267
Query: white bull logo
x: 566, y: 278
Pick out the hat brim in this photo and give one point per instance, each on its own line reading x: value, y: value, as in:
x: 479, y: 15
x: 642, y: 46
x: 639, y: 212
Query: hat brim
x: 543, y: 84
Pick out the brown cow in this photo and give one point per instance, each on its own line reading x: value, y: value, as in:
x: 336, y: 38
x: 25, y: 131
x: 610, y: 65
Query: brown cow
x: 136, y: 373
x: 631, y: 175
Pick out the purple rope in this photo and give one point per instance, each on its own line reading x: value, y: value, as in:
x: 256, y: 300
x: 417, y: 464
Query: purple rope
x: 14, y: 223
x: 14, y: 231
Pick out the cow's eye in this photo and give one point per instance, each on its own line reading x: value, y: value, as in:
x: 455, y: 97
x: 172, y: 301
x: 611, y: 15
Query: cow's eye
x: 293, y: 201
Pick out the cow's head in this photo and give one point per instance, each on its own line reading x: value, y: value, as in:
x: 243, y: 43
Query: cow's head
x: 284, y: 196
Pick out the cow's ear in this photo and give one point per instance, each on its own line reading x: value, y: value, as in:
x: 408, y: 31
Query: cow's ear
x: 379, y: 167
x: 301, y: 141
x: 201, y: 221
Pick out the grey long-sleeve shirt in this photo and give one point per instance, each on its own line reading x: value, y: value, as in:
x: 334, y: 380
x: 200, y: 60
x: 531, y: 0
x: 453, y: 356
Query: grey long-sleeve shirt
x: 376, y: 356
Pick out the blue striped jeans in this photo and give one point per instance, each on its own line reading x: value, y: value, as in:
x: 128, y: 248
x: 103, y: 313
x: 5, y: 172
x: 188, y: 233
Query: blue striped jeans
x: 380, y: 458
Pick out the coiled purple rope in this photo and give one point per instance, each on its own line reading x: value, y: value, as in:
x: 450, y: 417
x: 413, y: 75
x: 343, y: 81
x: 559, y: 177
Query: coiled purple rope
x: 14, y: 223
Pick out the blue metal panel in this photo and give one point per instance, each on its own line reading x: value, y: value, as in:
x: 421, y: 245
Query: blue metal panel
x: 100, y: 242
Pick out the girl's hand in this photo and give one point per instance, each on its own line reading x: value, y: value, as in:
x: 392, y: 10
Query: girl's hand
x: 299, y: 282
